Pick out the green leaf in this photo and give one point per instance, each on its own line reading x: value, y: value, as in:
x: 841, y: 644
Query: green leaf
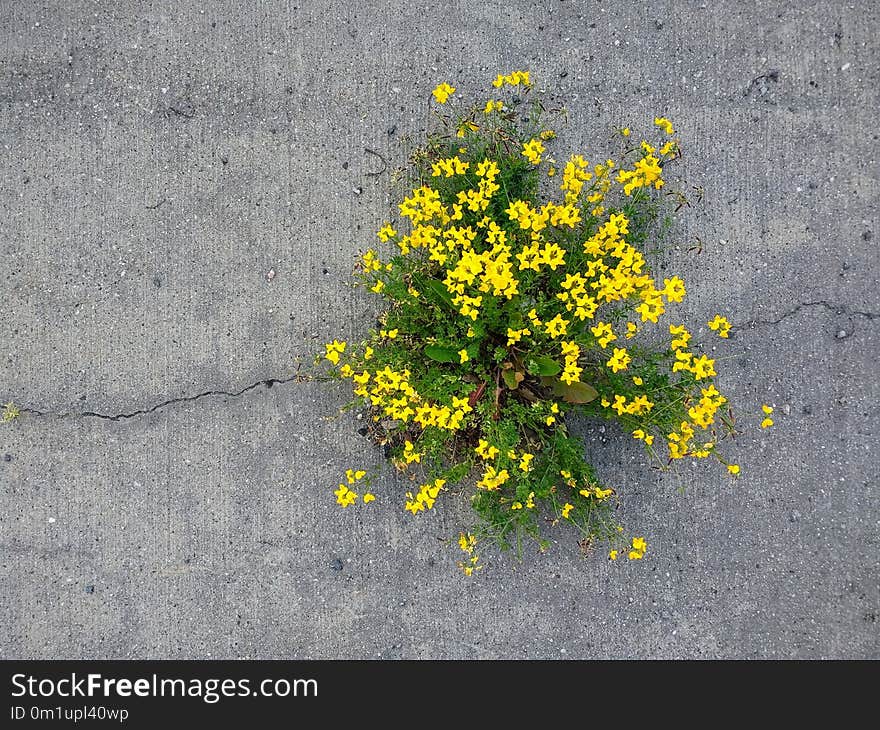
x: 512, y: 378
x: 442, y: 354
x: 434, y: 290
x: 543, y: 365
x: 575, y: 393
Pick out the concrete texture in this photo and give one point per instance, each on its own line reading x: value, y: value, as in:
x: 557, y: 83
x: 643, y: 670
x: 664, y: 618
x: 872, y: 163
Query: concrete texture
x: 169, y: 492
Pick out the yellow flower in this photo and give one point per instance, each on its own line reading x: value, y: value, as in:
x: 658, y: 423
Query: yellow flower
x: 720, y: 325
x: 681, y: 336
x: 378, y: 287
x: 386, y: 232
x: 637, y: 380
x: 664, y: 124
x: 369, y: 498
x: 674, y: 289
x: 410, y: 453
x: 619, y: 360
x: 625, y: 131
x: 368, y: 353
x: 639, y: 434
x: 493, y: 479
x: 514, y: 78
x: 485, y: 451
x: 612, y: 555
x: 463, y: 355
x: 766, y: 423
x: 493, y: 106
x: 767, y: 409
x: 442, y: 92
x: 334, y: 350
x: 556, y: 326
x: 603, y: 333
x: 532, y: 151
x: 525, y: 462
x: 639, y: 547
x: 353, y: 476
x: 733, y: 469
x: 703, y: 367
x: 344, y: 496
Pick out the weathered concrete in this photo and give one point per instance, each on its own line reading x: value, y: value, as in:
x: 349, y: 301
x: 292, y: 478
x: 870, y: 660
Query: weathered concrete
x: 157, y: 161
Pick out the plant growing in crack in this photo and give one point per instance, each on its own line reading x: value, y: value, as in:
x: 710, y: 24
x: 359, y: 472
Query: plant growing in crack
x: 507, y: 311
x: 10, y: 412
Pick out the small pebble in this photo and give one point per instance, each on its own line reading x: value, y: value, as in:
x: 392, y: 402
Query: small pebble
x: 841, y: 334
x: 336, y: 564
x: 270, y: 275
x: 90, y: 589
x: 7, y: 457
x: 51, y: 520
x: 786, y: 409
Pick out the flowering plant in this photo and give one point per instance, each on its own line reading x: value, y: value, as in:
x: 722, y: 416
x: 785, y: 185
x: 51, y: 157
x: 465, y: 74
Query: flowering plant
x: 506, y: 312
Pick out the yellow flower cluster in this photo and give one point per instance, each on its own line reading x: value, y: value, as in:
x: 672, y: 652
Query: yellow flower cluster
x: 493, y: 479
x: 485, y: 451
x: 637, y: 406
x: 703, y: 414
x: 445, y: 417
x: 423, y: 205
x: 514, y: 336
x: 334, y: 350
x: 532, y: 151
x: 425, y: 498
x: 449, y: 167
x: 514, y: 78
x: 410, y: 454
x: 575, y: 173
x: 642, y: 435
x: 596, y: 492
x: 576, y: 298
x: 720, y: 325
x: 619, y: 360
x: 639, y: 548
x: 389, y: 390
x: 345, y: 495
x: 645, y: 173
x: 492, y: 370
x: 468, y: 545
x: 767, y: 422
x: 702, y: 367
x: 571, y: 373
x: 442, y: 92
x: 528, y: 504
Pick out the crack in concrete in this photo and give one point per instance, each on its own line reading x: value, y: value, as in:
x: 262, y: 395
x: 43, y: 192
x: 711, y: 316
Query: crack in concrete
x: 835, y: 308
x: 267, y: 383
x: 301, y: 378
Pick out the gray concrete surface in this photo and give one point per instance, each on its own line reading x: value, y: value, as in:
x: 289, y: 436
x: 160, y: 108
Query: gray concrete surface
x: 158, y: 159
